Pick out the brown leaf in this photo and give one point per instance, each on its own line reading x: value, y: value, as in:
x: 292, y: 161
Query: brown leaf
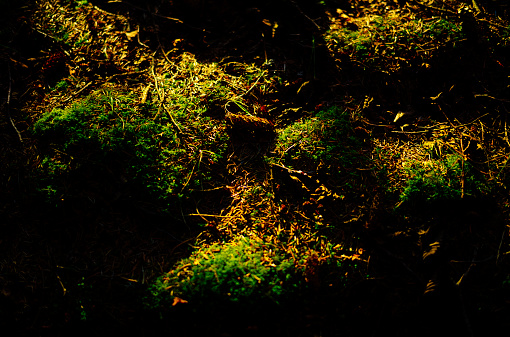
x: 433, y: 249
x: 431, y: 287
x: 178, y: 300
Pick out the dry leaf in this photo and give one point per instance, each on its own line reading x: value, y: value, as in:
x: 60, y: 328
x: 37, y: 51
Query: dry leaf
x: 399, y: 115
x: 431, y: 287
x: 436, y: 97
x: 178, y: 300
x: 131, y: 35
x: 433, y: 249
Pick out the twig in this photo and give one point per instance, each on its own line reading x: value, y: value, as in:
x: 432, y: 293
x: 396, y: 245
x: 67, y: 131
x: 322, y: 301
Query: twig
x: 77, y: 92
x: 492, y: 23
x: 83, y: 88
x: 64, y: 290
x: 491, y: 97
x: 435, y: 8
x: 253, y: 85
x: 463, y: 172
x: 468, y: 270
x: 456, y: 14
x: 500, y: 244
x: 129, y: 73
x: 469, y: 123
x: 410, y: 132
x: 178, y: 129
x: 290, y: 170
x: 475, y: 6
x: 193, y: 170
x: 210, y: 215
x: 138, y: 37
x: 294, y: 144
x: 160, y: 95
x: 304, y: 14
x: 504, y: 166
x: 180, y: 244
x: 9, y: 105
x: 139, y: 8
x: 461, y: 300
x: 506, y: 132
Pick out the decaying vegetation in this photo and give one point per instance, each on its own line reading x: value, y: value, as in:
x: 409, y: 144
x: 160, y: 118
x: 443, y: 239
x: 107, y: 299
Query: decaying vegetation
x: 265, y: 168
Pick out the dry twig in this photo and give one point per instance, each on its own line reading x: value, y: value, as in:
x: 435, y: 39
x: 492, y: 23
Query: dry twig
x: 9, y: 105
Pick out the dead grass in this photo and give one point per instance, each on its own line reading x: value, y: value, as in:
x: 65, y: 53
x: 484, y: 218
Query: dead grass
x: 311, y: 216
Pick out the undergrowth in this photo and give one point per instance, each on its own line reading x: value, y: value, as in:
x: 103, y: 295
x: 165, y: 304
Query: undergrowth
x: 285, y: 228
x: 148, y: 148
x: 449, y: 177
x: 245, y: 269
x: 324, y: 141
x: 400, y: 39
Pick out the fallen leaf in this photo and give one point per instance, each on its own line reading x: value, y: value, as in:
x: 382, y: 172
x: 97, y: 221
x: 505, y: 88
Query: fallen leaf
x: 131, y: 35
x: 436, y: 97
x: 178, y: 300
x: 399, y: 115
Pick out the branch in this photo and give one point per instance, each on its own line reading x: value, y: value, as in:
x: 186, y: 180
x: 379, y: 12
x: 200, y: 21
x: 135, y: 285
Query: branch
x: 9, y: 106
x: 304, y: 14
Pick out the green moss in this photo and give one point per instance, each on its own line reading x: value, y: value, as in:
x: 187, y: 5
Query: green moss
x: 151, y: 148
x: 446, y: 178
x: 393, y: 41
x: 243, y: 270
x: 324, y: 139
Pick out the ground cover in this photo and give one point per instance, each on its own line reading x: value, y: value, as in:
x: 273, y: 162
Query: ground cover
x: 167, y: 169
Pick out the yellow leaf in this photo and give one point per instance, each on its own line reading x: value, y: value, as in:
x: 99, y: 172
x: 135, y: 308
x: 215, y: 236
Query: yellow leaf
x: 398, y: 116
x: 131, y: 35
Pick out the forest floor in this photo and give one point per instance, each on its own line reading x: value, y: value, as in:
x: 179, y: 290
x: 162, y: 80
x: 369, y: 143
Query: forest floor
x: 271, y: 168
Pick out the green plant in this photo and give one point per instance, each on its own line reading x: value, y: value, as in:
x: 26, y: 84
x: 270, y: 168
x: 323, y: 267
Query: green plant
x: 50, y: 174
x: 80, y: 3
x: 506, y: 282
x: 60, y: 86
x: 246, y: 270
x: 449, y: 177
x: 109, y: 128
x: 324, y: 140
x: 393, y: 40
x: 445, y: 29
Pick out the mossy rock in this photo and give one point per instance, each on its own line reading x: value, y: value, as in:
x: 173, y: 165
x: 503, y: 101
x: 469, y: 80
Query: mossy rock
x: 244, y: 270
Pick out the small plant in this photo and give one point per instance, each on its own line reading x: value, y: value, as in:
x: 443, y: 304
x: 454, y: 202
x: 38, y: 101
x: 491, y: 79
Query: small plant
x: 244, y: 270
x: 446, y: 178
x: 107, y: 128
x: 325, y: 139
x: 506, y: 282
x: 61, y: 86
x: 391, y: 41
x: 80, y: 3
